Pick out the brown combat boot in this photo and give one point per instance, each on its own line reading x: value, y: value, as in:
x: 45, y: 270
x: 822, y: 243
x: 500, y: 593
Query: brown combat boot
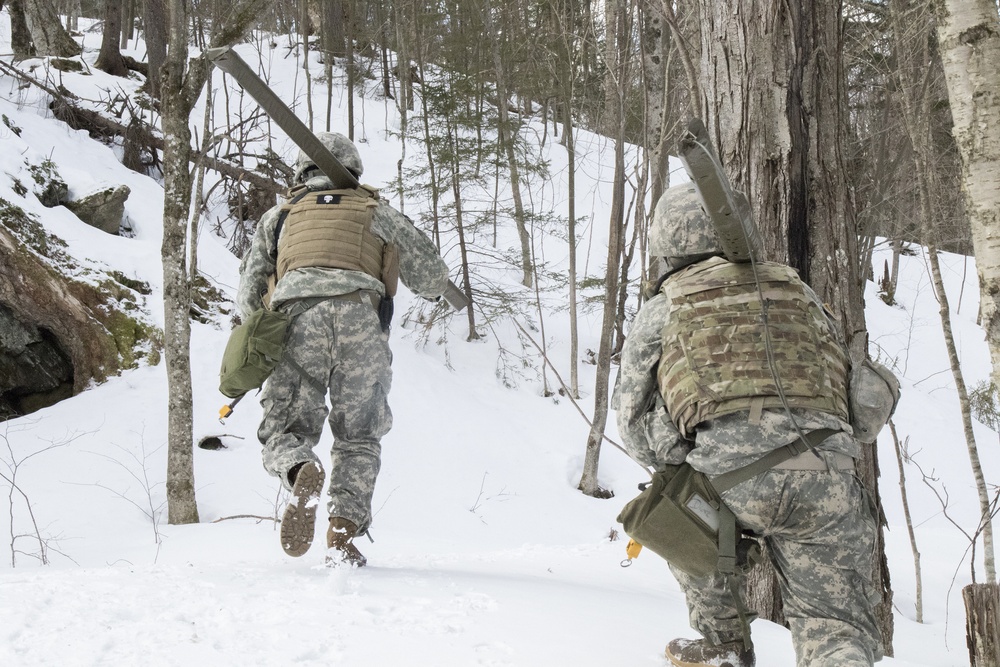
x: 340, y: 544
x: 699, y: 653
x: 299, y: 520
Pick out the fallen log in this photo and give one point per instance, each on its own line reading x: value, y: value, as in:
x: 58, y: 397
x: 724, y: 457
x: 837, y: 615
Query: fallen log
x: 99, y: 126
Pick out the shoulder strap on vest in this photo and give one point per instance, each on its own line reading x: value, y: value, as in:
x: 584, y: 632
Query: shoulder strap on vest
x: 296, y: 197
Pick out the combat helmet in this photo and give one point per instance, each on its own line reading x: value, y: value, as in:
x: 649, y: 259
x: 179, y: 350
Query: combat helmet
x: 681, y: 232
x: 342, y: 148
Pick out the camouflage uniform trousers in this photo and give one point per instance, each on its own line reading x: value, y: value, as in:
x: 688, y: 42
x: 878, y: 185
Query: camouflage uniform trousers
x: 340, y: 344
x: 821, y: 537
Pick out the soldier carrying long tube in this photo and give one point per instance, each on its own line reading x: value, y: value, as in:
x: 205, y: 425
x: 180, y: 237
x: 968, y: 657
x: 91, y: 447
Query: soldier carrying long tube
x: 327, y: 261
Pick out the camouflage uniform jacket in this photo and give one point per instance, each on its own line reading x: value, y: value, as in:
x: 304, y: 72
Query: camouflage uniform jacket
x: 723, y: 444
x: 420, y: 267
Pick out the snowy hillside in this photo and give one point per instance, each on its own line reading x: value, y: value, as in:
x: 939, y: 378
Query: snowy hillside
x: 484, y: 552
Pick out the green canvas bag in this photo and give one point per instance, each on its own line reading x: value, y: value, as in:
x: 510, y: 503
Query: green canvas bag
x: 677, y: 517
x: 680, y: 515
x: 254, y: 349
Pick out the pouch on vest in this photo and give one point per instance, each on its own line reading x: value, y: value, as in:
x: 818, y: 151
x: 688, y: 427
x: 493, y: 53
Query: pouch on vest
x: 390, y: 280
x: 678, y: 517
x: 873, y: 395
x: 254, y: 349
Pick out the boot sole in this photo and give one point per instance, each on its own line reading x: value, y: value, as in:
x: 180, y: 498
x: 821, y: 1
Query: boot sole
x: 680, y: 662
x: 298, y: 524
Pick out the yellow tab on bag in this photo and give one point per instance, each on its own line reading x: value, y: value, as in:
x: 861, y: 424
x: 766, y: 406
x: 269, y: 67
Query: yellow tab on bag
x: 632, y: 550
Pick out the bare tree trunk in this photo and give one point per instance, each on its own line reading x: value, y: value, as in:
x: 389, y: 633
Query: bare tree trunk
x: 900, y: 455
x: 73, y: 10
x: 110, y: 58
x: 304, y: 31
x: 403, y: 102
x: 564, y: 20
x: 574, y: 324
x: 917, y: 103
x: 617, y: 49
x: 182, y: 82
x: 969, y: 37
x: 507, y: 143
x: 654, y: 73
x: 20, y: 36
x: 47, y: 32
x: 432, y: 168
x: 128, y: 22
x: 350, y: 28
x: 456, y: 188
x: 181, y: 504
x: 197, y: 190
x: 334, y: 14
x: 696, y: 100
x: 774, y: 83
x: 154, y: 21
x: 982, y: 625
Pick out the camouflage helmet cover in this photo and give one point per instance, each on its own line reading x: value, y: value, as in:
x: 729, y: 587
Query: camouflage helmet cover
x: 681, y: 230
x: 342, y: 148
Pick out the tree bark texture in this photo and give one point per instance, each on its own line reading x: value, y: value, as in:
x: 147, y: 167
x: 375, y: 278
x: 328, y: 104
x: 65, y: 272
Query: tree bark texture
x: 181, y: 504
x: 182, y: 82
x: 47, y: 32
x: 110, y: 58
x: 655, y: 48
x: 20, y: 36
x: 128, y: 22
x: 982, y: 624
x: 776, y: 110
x: 154, y: 22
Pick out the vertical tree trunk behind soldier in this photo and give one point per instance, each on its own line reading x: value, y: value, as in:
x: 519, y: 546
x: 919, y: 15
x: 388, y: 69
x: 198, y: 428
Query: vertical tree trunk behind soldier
x: 770, y: 71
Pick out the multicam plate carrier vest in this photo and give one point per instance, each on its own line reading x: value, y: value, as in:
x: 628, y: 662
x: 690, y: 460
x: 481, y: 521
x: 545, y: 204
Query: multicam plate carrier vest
x: 715, y: 360
x: 332, y: 229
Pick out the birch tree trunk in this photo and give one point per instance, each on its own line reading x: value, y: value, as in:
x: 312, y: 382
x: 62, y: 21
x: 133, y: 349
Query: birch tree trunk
x: 917, y: 111
x: 969, y: 41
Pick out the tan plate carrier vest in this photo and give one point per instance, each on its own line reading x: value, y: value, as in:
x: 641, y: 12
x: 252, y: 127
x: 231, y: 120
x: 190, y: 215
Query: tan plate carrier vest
x: 714, y: 359
x: 332, y: 229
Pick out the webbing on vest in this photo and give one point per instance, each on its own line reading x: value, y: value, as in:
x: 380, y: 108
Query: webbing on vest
x: 714, y: 359
x: 331, y: 229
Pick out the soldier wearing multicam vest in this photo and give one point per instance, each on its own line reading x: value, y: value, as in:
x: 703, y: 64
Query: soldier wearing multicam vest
x: 328, y: 258
x: 695, y: 384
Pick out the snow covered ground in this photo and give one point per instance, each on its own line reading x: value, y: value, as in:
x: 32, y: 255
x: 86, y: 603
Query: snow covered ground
x: 484, y: 552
